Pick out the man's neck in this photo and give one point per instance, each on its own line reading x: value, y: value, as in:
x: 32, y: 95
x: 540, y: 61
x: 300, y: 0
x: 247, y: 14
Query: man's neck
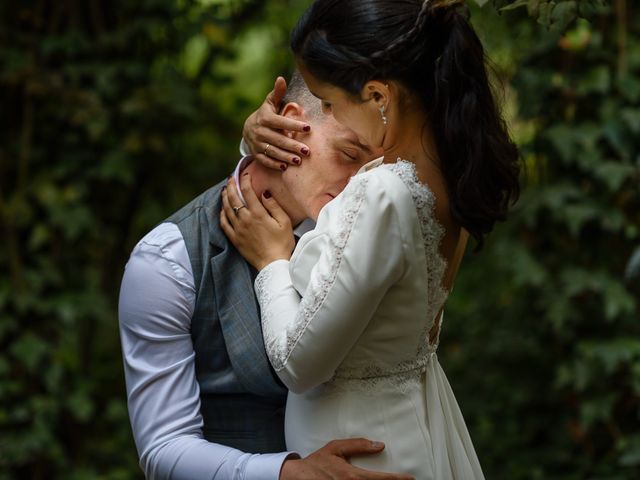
x: 263, y: 179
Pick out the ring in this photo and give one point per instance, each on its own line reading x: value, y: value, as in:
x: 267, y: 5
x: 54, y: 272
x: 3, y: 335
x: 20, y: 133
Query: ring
x: 237, y: 209
x: 266, y: 150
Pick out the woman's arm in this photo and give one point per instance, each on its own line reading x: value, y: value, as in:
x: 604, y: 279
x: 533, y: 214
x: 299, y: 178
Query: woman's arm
x: 157, y: 298
x: 362, y: 256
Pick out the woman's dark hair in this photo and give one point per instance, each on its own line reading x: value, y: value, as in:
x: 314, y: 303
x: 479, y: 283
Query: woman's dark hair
x: 433, y: 51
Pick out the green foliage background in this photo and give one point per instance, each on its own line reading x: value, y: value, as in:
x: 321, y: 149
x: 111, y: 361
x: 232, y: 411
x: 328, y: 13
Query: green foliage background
x: 115, y: 113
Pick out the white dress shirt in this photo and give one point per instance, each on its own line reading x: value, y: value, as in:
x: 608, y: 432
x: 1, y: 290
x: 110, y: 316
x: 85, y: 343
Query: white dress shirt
x: 157, y: 300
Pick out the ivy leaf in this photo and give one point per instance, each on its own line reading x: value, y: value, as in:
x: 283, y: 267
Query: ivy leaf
x: 514, y: 5
x: 597, y: 80
x: 30, y: 350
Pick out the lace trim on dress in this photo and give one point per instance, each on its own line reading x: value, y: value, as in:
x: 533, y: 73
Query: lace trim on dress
x: 432, y: 234
x: 264, y: 295
x: 278, y: 346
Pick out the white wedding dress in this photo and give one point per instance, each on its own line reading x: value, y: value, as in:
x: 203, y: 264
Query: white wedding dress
x: 346, y: 325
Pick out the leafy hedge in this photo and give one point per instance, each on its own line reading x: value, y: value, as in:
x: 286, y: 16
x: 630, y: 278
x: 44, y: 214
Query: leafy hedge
x: 113, y: 114
x: 544, y: 340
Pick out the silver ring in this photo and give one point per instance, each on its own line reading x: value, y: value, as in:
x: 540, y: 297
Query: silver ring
x: 237, y: 209
x: 266, y: 150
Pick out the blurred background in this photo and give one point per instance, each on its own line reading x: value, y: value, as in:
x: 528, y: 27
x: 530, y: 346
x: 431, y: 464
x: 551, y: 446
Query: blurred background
x: 114, y: 113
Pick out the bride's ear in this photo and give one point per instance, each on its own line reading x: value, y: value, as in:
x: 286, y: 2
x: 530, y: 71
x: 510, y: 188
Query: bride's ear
x: 377, y: 92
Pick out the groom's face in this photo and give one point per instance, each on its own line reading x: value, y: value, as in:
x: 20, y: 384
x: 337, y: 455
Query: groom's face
x: 336, y: 155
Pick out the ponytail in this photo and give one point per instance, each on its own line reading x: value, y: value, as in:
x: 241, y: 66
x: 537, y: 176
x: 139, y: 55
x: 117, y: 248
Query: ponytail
x: 479, y: 161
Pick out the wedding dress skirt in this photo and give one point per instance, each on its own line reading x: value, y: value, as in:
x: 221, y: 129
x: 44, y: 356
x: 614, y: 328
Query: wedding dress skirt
x: 347, y: 327
x: 419, y: 422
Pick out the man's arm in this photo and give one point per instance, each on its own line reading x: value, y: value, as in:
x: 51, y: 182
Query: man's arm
x: 156, y: 304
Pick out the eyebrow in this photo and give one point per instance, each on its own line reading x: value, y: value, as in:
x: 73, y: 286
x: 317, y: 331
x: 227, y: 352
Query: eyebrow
x: 360, y: 145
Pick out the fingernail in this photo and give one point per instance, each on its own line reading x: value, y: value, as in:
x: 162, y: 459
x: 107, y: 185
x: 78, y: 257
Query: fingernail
x: 307, y: 128
x: 283, y: 166
x: 267, y: 194
x: 296, y: 160
x: 377, y: 444
x: 304, y: 150
x: 224, y: 188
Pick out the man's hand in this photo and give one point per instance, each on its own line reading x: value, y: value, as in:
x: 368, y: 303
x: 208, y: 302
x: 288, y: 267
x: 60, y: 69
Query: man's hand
x: 264, y: 132
x: 331, y: 462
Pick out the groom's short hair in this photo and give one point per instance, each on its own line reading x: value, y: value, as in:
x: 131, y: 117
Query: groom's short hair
x: 298, y: 92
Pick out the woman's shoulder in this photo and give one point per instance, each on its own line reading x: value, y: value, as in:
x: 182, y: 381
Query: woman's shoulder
x: 390, y: 182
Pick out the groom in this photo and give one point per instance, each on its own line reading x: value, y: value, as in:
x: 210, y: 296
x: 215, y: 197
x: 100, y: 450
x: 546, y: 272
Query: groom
x: 200, y: 389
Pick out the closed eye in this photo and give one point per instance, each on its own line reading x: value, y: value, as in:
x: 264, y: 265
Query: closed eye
x: 351, y: 157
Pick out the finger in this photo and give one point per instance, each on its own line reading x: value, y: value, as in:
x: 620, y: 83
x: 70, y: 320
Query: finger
x: 283, y: 156
x: 279, y: 91
x: 253, y: 203
x: 234, y: 199
x: 355, y: 446
x: 278, y: 122
x: 277, y: 139
x: 275, y: 210
x: 232, y: 218
x: 226, y: 227
x: 270, y: 162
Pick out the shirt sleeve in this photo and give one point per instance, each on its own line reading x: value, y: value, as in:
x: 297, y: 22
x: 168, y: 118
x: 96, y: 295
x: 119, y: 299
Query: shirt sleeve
x: 157, y: 299
x: 359, y: 249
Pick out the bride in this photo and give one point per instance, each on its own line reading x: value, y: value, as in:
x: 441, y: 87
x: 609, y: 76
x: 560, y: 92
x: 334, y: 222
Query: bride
x: 351, y: 319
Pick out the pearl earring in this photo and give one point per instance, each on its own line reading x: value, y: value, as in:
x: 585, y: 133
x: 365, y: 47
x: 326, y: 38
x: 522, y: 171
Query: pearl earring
x: 385, y: 120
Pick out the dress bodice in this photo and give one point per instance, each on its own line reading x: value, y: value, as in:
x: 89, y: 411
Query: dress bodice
x: 372, y: 269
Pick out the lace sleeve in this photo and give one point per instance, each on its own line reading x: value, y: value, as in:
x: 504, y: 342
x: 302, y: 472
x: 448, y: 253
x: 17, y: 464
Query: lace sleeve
x: 308, y: 336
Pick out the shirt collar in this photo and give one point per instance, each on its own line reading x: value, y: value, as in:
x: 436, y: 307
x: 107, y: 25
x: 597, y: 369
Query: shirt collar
x: 371, y: 165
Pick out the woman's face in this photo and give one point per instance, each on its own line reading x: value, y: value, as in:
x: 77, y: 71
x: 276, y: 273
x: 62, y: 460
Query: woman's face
x: 363, y: 118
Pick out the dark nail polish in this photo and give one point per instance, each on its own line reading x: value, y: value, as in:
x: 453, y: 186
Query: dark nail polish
x: 307, y: 128
x: 283, y: 166
x: 304, y: 150
x: 296, y: 160
x: 267, y: 194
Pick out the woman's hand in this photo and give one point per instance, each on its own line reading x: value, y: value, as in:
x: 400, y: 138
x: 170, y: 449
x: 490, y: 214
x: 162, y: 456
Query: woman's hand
x: 264, y: 132
x: 262, y: 234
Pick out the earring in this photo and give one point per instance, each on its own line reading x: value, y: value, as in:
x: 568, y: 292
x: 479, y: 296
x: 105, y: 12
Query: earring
x: 385, y: 120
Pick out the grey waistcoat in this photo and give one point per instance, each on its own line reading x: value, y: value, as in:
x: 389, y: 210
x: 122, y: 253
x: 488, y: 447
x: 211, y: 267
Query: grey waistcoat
x: 242, y: 401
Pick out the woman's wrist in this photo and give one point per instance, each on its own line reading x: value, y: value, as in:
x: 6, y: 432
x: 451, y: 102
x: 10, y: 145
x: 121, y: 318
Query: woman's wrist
x: 262, y: 264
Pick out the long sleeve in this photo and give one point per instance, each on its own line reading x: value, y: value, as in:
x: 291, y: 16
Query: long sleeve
x: 357, y: 253
x: 157, y: 298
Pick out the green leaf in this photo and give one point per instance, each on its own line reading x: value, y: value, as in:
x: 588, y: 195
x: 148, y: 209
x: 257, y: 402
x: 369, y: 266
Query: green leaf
x: 514, y: 5
x: 618, y: 301
x: 614, y: 174
x: 597, y: 80
x: 30, y: 350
